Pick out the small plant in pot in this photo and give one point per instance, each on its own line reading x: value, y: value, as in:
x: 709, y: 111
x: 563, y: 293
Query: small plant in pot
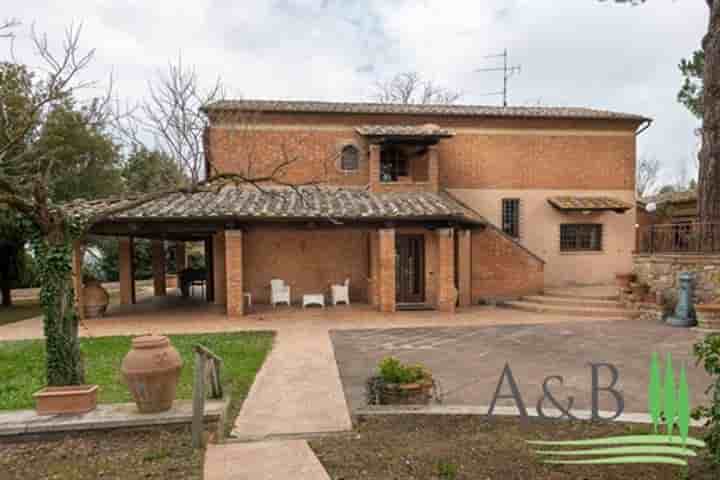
x: 400, y: 384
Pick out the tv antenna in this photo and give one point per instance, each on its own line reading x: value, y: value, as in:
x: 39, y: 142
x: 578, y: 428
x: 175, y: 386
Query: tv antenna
x: 508, y: 71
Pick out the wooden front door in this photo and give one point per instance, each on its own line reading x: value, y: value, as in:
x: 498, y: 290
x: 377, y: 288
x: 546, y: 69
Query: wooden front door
x: 410, y: 269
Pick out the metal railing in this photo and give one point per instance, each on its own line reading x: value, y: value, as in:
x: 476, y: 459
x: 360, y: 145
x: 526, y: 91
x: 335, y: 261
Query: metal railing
x: 679, y: 238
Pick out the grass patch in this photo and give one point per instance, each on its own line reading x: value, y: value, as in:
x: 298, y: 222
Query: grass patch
x: 22, y: 365
x: 21, y: 310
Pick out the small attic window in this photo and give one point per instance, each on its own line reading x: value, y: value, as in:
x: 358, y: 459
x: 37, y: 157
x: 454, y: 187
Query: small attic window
x: 349, y: 158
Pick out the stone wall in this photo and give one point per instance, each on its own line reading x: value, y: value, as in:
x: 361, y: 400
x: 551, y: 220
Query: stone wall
x: 661, y: 271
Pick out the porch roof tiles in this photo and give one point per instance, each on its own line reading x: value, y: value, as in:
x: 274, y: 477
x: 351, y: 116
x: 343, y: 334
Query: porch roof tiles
x: 284, y: 203
x: 572, y: 203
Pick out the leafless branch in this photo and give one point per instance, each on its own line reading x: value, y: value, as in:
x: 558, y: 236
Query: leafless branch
x: 648, y: 171
x: 410, y: 88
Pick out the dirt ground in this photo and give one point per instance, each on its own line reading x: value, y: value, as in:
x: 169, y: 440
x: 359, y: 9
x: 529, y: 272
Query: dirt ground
x: 112, y: 455
x: 404, y: 447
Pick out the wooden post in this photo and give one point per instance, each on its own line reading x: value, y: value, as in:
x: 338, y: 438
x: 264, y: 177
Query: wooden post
x: 198, y: 418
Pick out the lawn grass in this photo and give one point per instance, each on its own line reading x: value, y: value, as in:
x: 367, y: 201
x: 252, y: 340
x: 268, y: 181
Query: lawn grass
x: 21, y: 310
x: 22, y: 365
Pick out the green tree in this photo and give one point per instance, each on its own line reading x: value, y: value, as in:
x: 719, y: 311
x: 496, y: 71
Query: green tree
x: 705, y: 100
x: 691, y: 91
x: 147, y: 171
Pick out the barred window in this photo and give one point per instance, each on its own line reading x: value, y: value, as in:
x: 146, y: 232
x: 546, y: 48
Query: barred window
x: 349, y: 158
x: 580, y: 237
x: 511, y: 216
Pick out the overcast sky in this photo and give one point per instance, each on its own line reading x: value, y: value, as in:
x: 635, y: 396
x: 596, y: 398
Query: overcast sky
x: 572, y: 52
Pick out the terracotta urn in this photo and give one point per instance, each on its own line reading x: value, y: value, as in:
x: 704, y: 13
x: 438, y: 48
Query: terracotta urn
x: 96, y: 299
x: 151, y: 371
x: 623, y: 280
x: 708, y: 316
x: 418, y: 393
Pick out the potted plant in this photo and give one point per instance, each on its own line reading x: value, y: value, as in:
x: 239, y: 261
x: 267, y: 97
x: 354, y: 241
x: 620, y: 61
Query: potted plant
x: 708, y: 315
x: 401, y: 384
x: 623, y: 280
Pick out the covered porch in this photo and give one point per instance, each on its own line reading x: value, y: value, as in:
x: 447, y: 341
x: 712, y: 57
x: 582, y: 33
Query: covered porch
x: 396, y: 251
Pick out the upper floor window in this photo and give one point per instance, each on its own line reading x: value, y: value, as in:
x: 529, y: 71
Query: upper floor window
x: 393, y: 164
x: 580, y: 237
x: 511, y: 216
x: 349, y: 158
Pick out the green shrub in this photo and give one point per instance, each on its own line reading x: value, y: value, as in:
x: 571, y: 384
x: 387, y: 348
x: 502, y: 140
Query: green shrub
x: 393, y: 370
x: 707, y: 352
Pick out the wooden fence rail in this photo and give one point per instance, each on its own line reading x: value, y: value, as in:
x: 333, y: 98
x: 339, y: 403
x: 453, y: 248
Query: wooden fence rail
x: 207, y: 371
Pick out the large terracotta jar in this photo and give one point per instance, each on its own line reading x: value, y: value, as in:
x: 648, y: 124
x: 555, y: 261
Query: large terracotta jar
x: 95, y: 299
x: 151, y: 371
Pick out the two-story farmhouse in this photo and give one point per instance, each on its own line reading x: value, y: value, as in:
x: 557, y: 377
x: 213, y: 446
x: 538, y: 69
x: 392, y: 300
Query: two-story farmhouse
x: 419, y: 206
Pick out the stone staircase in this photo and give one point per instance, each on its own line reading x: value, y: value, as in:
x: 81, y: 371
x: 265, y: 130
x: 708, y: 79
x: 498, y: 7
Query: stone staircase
x: 600, y: 302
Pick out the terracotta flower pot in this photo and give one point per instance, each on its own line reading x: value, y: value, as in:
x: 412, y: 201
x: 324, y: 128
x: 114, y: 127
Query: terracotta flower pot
x: 96, y: 299
x: 708, y: 316
x: 74, y: 399
x: 151, y: 371
x: 623, y: 280
x: 407, y: 394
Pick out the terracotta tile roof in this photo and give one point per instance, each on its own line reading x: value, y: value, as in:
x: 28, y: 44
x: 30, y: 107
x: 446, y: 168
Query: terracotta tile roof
x: 248, y: 203
x: 671, y: 197
x: 588, y: 203
x: 429, y: 129
x: 417, y: 109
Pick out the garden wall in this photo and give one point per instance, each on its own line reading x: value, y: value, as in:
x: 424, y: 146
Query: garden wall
x: 661, y: 271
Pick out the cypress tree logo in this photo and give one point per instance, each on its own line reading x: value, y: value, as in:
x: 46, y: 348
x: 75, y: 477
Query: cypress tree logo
x: 669, y: 407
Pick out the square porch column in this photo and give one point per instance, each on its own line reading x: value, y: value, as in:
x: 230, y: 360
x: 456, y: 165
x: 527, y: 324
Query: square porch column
x: 235, y: 300
x: 386, y: 269
x: 373, y: 260
x: 77, y: 264
x: 446, y: 291
x: 219, y: 268
x: 127, y: 270
x: 180, y: 257
x: 464, y: 267
x: 158, y: 268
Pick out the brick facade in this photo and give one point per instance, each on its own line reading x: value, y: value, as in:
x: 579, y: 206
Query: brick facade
x: 501, y: 268
x: 509, y: 157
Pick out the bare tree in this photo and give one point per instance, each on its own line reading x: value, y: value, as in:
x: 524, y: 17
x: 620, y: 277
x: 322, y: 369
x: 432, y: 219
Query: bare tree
x: 25, y: 170
x: 647, y: 176
x: 411, y: 88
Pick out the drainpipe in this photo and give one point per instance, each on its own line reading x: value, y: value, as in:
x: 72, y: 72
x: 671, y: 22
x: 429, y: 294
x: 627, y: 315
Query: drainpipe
x: 643, y: 126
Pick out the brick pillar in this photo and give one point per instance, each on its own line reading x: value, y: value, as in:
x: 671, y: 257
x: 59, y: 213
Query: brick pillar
x: 386, y: 269
x: 127, y: 271
x: 446, y: 290
x: 158, y: 268
x: 219, y: 267
x: 433, y: 168
x: 464, y: 267
x: 77, y: 264
x: 234, y: 273
x: 374, y: 167
x: 373, y: 285
x: 180, y: 257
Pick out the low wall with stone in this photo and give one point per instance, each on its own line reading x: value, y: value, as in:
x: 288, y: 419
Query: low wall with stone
x: 661, y: 271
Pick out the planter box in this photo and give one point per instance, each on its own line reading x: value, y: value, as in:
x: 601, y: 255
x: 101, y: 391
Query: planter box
x: 708, y: 316
x: 406, y: 394
x: 74, y: 399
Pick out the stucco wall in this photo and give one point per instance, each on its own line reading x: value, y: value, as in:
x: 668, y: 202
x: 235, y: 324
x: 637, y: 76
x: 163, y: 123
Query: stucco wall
x: 540, y: 232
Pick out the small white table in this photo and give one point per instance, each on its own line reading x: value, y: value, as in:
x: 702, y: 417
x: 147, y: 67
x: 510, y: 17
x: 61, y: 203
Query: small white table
x: 314, y: 299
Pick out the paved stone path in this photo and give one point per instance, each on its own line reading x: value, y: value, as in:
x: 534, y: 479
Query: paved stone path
x: 269, y: 460
x: 298, y: 389
x: 467, y: 361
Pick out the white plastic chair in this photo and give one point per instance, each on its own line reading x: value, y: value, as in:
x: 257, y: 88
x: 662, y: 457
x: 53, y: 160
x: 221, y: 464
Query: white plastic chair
x: 341, y: 293
x: 279, y: 292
